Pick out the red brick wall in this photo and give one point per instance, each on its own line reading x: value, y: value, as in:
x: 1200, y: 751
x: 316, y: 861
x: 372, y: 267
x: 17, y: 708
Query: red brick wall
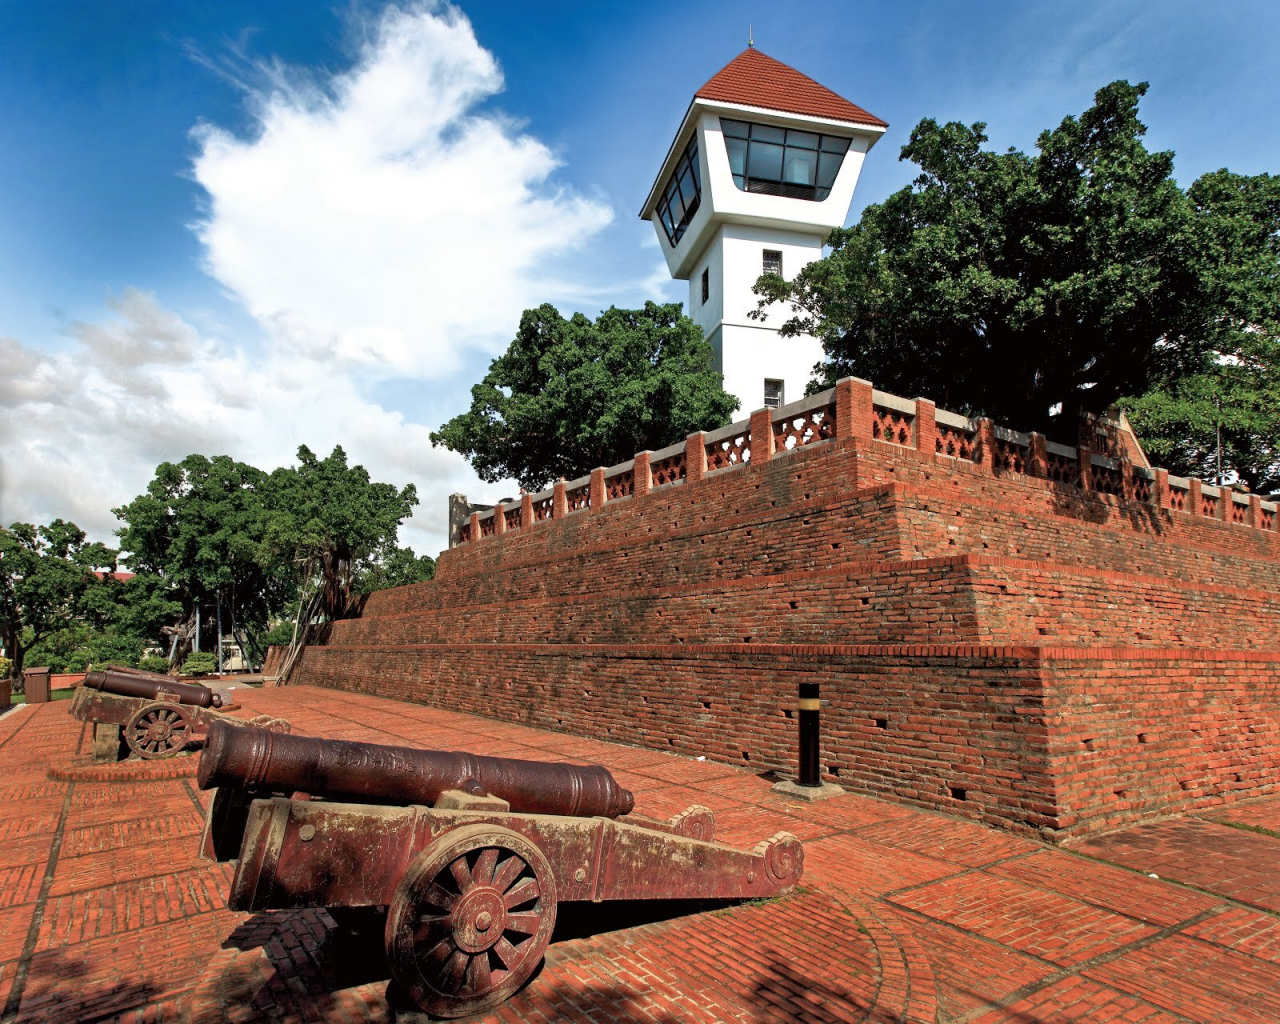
x: 929, y: 598
x: 1140, y: 733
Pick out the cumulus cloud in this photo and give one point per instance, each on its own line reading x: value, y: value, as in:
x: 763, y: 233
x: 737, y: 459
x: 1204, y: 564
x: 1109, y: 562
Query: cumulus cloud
x: 379, y: 216
x: 84, y: 433
x: 378, y: 225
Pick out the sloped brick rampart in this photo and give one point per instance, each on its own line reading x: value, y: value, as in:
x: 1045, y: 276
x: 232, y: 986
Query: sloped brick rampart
x: 988, y: 641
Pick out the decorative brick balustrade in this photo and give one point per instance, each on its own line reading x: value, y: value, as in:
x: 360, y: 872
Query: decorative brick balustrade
x: 877, y: 416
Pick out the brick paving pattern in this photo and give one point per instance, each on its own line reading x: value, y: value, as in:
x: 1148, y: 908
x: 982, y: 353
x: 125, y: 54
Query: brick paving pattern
x: 904, y: 915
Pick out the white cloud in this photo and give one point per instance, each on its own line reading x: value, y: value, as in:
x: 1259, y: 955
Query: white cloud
x: 379, y: 216
x: 377, y: 225
x: 84, y: 433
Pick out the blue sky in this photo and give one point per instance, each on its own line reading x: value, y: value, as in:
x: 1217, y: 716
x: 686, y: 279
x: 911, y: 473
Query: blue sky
x: 234, y: 228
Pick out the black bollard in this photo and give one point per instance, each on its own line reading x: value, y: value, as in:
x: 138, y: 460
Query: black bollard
x: 809, y: 735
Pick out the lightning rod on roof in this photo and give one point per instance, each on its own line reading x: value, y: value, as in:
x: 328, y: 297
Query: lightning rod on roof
x: 751, y: 39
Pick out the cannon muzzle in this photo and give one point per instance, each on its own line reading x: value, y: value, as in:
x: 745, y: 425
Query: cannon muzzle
x: 152, y: 687
x: 255, y: 759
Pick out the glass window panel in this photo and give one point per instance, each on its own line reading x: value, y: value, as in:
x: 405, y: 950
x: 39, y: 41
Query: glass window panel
x: 737, y: 149
x: 799, y: 167
x: 735, y: 129
x: 688, y: 190
x: 831, y: 144
x: 802, y: 140
x: 764, y: 161
x: 673, y: 200
x: 767, y: 133
x: 694, y: 168
x: 828, y: 165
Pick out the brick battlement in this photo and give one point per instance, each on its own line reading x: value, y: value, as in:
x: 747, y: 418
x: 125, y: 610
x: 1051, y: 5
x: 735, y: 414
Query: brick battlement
x: 854, y: 409
x: 1046, y: 638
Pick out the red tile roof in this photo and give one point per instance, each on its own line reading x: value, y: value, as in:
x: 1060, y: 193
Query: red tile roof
x: 757, y: 80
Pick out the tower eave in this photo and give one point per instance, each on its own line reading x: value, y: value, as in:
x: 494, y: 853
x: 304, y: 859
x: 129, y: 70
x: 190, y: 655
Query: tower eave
x: 699, y: 104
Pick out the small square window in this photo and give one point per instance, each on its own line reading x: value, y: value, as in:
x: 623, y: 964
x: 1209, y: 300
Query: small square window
x: 706, y: 285
x: 773, y: 262
x: 774, y: 396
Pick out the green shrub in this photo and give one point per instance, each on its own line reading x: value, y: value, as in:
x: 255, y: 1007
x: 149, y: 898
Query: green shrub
x: 200, y: 663
x: 6, y: 666
x: 154, y: 663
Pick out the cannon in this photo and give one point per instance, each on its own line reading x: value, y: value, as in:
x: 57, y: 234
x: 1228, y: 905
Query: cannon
x: 470, y: 855
x: 148, y: 714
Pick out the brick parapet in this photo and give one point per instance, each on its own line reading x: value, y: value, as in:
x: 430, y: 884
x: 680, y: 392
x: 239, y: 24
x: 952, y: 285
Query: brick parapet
x: 926, y: 426
x: 761, y: 437
x: 863, y: 415
x: 597, y: 496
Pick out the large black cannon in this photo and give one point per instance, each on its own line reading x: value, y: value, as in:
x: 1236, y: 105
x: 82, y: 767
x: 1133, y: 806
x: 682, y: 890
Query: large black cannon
x: 152, y: 686
x: 371, y: 773
x: 147, y: 714
x: 470, y: 855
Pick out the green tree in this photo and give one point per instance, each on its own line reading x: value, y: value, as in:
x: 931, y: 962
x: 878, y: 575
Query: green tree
x: 336, y: 527
x: 1224, y: 419
x: 81, y: 646
x: 570, y: 395
x: 198, y: 539
x: 399, y: 568
x: 47, y: 581
x: 1010, y: 284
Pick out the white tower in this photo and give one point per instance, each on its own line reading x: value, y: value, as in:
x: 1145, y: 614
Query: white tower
x: 763, y: 167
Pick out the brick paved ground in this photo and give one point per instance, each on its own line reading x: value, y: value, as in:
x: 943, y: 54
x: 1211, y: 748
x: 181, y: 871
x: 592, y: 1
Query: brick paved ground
x: 106, y: 913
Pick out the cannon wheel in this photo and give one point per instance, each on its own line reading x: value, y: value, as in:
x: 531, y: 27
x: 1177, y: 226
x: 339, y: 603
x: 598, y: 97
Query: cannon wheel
x: 470, y: 920
x: 158, y: 729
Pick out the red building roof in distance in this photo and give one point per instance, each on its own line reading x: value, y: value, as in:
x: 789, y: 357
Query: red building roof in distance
x: 755, y: 79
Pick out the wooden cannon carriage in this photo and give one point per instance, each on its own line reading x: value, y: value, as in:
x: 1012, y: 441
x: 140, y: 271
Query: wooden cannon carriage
x: 470, y: 855
x: 147, y: 714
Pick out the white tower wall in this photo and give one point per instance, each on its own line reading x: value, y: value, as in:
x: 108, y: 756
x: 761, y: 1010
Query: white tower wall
x: 733, y: 260
x: 727, y: 237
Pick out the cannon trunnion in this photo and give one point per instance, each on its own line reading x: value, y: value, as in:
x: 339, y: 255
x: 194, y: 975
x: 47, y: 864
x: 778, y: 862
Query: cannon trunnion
x: 471, y: 885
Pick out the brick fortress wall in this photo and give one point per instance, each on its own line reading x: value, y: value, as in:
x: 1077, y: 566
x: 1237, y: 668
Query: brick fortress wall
x: 1042, y: 637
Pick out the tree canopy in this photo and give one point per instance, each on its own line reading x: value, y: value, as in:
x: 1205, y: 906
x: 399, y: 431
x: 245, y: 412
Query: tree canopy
x: 1014, y: 285
x: 1224, y: 418
x: 270, y: 551
x: 198, y: 539
x: 572, y: 394
x: 47, y: 582
x: 335, y: 525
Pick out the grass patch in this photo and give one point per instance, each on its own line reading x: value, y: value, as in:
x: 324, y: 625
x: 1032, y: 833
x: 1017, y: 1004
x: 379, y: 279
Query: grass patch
x: 1243, y: 827
x: 21, y: 698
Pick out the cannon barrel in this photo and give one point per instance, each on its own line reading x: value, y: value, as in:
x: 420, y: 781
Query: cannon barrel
x: 255, y: 759
x: 152, y: 687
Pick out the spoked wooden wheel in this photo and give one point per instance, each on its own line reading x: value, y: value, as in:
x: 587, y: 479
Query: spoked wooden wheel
x: 159, y: 729
x: 470, y: 920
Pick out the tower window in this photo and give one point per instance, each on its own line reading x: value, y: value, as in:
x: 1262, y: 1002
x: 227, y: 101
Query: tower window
x: 782, y: 161
x: 774, y: 396
x: 682, y: 195
x: 772, y: 262
x: 706, y: 285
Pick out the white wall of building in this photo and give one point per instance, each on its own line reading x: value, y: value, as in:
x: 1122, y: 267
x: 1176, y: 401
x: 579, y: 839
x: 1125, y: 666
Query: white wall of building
x: 727, y: 238
x: 748, y: 351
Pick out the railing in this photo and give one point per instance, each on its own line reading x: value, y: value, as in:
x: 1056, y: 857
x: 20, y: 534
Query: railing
x: 853, y: 409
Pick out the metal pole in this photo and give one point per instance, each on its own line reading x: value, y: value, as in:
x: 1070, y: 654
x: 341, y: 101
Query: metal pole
x: 195, y: 646
x: 809, y: 741
x: 219, y: 631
